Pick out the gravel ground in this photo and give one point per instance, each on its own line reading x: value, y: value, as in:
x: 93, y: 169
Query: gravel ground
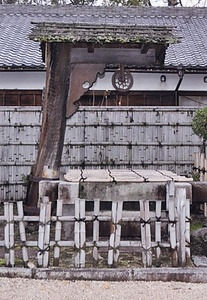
x: 31, y: 289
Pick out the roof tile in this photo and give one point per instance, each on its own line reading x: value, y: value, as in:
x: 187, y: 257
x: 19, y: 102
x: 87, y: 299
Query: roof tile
x: 16, y: 50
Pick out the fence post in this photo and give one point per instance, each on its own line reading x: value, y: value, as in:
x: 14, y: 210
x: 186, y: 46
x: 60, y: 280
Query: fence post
x: 80, y: 233
x: 187, y: 226
x: 96, y: 230
x: 6, y: 233
x: 47, y: 233
x: 9, y: 234
x: 181, y: 229
x: 112, y: 233
x: 58, y: 228
x: 118, y: 232
x: 22, y: 232
x: 172, y: 221
x: 82, y: 226
x: 143, y: 237
x: 158, y: 231
x: 44, y: 233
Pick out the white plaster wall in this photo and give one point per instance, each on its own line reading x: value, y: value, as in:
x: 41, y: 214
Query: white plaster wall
x: 142, y: 82
x: 193, y: 82
x: 22, y: 80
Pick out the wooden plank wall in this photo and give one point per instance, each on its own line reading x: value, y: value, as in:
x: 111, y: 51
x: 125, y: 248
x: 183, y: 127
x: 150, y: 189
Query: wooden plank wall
x: 99, y: 137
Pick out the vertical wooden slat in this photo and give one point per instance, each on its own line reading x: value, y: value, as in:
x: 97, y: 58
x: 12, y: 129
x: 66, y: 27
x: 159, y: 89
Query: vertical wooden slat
x: 58, y: 227
x: 22, y: 232
x: 96, y: 230
x: 202, y: 158
x: 75, y: 130
x: 158, y: 231
x: 82, y: 232
x: 41, y: 233
x: 118, y: 232
x: 181, y: 199
x: 143, y: 236
x: 170, y: 190
x: 112, y: 233
x: 205, y: 169
x: 77, y: 234
x: 11, y: 234
x: 6, y: 233
x: 47, y: 233
x: 148, y: 234
x: 172, y: 222
x: 187, y: 228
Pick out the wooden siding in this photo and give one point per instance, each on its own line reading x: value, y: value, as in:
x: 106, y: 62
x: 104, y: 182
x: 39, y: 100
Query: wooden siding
x: 99, y: 137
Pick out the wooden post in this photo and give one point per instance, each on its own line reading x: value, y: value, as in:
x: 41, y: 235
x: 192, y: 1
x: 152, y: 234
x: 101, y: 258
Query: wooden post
x: 115, y: 235
x: 41, y: 233
x: 47, y: 233
x: 118, y: 232
x: 53, y: 119
x: 147, y: 234
x: 77, y: 234
x: 112, y: 233
x: 143, y: 236
x: 44, y: 233
x: 196, y: 161
x: 11, y: 234
x: 158, y: 231
x: 205, y: 169
x: 58, y: 228
x: 172, y: 222
x: 170, y: 190
x: 82, y: 226
x: 202, y: 158
x: 96, y: 230
x: 6, y: 233
x: 187, y: 229
x: 22, y: 232
x: 181, y: 230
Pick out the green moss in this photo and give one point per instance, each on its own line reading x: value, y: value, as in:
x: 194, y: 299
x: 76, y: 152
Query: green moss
x: 2, y: 262
x: 196, y: 225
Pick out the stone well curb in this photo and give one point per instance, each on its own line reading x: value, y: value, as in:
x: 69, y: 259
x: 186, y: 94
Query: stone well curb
x: 193, y: 275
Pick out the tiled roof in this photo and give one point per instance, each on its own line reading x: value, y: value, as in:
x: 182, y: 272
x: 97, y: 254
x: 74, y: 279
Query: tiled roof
x: 16, y: 50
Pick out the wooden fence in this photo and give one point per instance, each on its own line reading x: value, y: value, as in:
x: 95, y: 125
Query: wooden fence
x: 162, y: 231
x: 99, y: 137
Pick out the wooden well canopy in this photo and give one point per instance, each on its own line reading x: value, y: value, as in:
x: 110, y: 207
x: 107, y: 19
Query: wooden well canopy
x: 75, y: 54
x: 102, y: 33
x: 93, y: 46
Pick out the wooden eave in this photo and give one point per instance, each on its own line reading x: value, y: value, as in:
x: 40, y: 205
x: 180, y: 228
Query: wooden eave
x: 103, y: 34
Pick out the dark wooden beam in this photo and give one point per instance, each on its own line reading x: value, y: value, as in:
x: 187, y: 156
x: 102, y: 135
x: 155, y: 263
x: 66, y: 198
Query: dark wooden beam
x: 90, y: 47
x: 145, y: 48
x: 160, y: 54
x: 50, y: 148
x: 81, y: 79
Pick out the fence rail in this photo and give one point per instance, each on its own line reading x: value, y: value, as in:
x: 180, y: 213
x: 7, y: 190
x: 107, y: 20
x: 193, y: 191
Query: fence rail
x: 159, y: 229
x: 99, y: 137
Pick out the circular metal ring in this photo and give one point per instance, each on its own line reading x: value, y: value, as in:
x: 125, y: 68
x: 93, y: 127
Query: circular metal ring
x: 122, y: 82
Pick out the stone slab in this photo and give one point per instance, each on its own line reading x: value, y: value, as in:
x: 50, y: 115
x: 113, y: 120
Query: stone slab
x: 123, y: 175
x: 68, y: 192
x: 122, y: 191
x: 199, y: 261
x: 191, y: 275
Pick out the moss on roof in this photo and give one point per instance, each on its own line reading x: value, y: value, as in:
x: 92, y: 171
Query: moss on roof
x: 102, y: 34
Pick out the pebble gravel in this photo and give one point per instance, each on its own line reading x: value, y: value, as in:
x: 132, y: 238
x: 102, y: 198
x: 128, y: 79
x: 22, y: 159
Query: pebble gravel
x: 31, y: 289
